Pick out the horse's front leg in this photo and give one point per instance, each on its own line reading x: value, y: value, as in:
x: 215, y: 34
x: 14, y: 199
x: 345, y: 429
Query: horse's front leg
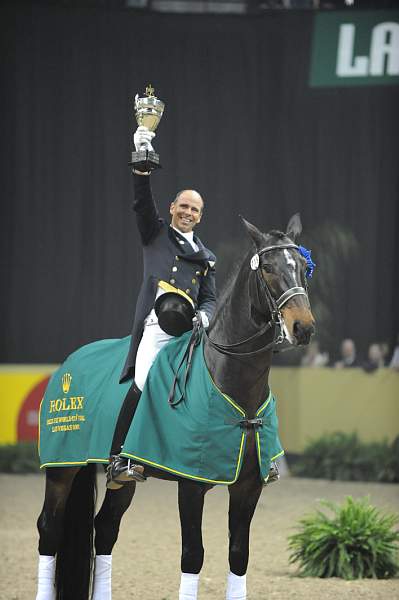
x: 106, y: 524
x: 244, y: 497
x: 191, y: 505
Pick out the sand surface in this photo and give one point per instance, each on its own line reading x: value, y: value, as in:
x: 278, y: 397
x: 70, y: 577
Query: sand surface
x: 146, y: 559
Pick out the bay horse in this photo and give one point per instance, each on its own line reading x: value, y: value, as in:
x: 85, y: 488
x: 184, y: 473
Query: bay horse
x: 264, y: 304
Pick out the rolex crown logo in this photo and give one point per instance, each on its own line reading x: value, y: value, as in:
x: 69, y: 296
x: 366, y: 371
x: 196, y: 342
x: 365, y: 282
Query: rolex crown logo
x: 66, y: 382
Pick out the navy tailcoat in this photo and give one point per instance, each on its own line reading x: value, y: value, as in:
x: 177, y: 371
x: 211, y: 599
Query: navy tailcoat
x: 169, y: 257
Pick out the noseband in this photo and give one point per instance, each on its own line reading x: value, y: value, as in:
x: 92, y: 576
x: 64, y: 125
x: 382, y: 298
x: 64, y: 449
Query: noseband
x: 274, y: 307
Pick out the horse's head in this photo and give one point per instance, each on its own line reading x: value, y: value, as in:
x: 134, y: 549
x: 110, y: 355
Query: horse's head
x: 281, y: 268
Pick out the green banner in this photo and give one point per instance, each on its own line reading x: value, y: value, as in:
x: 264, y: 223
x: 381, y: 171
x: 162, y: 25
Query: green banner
x: 355, y: 48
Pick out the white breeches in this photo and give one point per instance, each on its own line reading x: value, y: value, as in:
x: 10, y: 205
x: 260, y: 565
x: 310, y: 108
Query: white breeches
x: 151, y: 343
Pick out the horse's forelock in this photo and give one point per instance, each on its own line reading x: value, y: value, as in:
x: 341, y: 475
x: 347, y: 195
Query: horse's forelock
x: 276, y: 236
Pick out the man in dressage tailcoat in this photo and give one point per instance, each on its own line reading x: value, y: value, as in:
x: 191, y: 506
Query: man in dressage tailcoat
x: 177, y: 268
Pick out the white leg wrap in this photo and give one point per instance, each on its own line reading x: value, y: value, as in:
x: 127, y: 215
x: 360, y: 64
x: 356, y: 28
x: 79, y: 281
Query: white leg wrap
x: 102, y: 577
x: 188, y: 586
x: 45, y: 578
x: 236, y: 587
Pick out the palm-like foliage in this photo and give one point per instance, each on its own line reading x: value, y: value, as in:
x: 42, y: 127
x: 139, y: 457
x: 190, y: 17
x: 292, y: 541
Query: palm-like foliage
x: 334, y: 247
x: 356, y: 541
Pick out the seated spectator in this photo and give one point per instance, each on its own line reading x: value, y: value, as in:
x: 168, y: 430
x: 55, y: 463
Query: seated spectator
x: 348, y: 355
x: 394, y: 364
x: 385, y: 352
x: 375, y: 358
x: 313, y: 357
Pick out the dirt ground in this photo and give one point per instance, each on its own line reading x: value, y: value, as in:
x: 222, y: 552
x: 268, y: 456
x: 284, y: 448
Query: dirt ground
x: 147, y: 556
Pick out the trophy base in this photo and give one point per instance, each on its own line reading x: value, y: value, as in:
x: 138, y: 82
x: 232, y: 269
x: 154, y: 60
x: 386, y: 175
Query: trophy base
x: 145, y: 160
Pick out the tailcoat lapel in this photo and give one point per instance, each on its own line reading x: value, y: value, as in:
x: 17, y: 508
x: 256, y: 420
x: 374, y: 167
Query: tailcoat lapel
x: 186, y: 249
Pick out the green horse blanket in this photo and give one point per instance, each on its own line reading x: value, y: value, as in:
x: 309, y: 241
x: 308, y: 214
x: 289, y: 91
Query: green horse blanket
x: 200, y: 438
x: 81, y: 405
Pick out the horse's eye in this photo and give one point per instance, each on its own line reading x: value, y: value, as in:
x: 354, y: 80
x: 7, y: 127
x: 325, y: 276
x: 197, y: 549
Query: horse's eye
x: 267, y: 268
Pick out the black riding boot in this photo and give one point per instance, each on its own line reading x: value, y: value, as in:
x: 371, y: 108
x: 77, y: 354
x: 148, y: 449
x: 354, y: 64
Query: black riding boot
x: 120, y: 469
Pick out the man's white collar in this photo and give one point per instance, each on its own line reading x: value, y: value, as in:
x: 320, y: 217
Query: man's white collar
x: 189, y: 235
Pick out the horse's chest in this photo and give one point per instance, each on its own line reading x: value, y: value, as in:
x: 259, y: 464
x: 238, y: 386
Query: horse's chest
x: 250, y: 462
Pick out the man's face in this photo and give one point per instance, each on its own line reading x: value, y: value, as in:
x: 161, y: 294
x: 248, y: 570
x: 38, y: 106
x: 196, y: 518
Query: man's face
x: 186, y: 211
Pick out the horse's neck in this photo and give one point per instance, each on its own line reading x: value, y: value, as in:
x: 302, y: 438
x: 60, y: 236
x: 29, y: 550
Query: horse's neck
x: 245, y: 379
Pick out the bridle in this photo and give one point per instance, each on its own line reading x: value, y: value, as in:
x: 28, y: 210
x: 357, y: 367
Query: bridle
x: 276, y: 321
x: 274, y: 306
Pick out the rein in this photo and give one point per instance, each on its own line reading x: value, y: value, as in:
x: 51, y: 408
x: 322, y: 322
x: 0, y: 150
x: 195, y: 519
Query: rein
x: 274, y: 307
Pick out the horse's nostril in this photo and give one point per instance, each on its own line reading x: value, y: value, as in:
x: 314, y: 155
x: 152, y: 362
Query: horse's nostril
x: 303, y: 332
x: 297, y: 328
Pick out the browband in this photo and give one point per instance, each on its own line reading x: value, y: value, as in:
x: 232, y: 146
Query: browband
x: 255, y: 258
x: 277, y: 247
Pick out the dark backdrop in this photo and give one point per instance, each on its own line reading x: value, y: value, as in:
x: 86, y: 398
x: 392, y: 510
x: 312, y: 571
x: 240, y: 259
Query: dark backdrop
x: 241, y: 125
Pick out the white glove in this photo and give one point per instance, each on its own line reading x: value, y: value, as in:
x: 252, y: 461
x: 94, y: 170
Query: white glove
x: 203, y: 317
x: 142, y: 139
x: 205, y: 320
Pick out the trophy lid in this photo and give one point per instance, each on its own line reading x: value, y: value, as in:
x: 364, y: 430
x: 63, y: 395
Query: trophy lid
x: 148, y: 109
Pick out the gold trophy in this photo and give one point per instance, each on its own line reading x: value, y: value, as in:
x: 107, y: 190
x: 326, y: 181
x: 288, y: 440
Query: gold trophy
x: 148, y: 111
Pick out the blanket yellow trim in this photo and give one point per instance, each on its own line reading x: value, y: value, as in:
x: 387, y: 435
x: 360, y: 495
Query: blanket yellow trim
x: 195, y: 477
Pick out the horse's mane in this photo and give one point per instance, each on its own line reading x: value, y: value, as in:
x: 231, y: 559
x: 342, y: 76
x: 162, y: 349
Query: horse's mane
x: 225, y: 292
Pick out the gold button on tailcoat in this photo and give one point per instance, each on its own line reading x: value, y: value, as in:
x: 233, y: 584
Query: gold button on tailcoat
x: 174, y: 269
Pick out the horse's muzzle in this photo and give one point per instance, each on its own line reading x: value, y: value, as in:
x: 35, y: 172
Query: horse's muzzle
x: 303, y: 332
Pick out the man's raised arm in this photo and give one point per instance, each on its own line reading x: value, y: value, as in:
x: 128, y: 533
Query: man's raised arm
x: 148, y: 220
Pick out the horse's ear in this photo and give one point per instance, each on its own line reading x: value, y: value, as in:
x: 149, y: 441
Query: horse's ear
x: 294, y: 227
x: 256, y: 235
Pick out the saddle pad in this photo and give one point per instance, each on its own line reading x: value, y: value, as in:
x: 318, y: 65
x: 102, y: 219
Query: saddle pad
x: 201, y: 437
